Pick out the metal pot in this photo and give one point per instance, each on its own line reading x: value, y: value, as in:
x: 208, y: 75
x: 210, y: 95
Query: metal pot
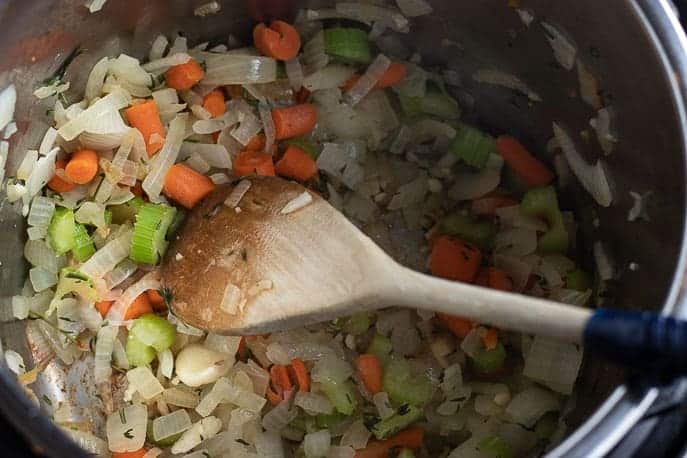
x: 636, y: 47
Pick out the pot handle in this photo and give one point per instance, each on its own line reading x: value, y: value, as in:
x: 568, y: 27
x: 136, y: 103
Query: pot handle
x: 644, y: 341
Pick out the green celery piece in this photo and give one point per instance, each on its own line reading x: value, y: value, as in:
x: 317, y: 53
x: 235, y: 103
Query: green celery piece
x: 406, y: 453
x: 472, y: 146
x: 127, y: 211
x: 328, y: 420
x: 434, y: 103
x: 402, y: 387
x: 495, y: 447
x: 380, y: 346
x: 578, y: 280
x: 477, y: 232
x: 154, y: 331
x: 138, y: 353
x: 358, y: 323
x: 149, y: 242
x: 83, y: 247
x: 406, y: 416
x: 304, y: 144
x: 489, y: 361
x: 61, y: 230
x: 166, y: 442
x: 348, y: 45
x: 341, y: 395
x: 543, y: 203
x: 546, y: 426
x: 73, y: 281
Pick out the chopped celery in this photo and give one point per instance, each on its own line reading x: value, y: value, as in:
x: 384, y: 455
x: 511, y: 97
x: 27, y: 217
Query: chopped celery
x: 489, y: 361
x: 358, y: 323
x: 108, y: 216
x: 348, y: 45
x: 546, y: 425
x: 61, y: 230
x: 406, y: 416
x: 478, y: 232
x: 578, y: 280
x: 74, y: 282
x: 405, y: 453
x: 83, y: 244
x: 495, y: 447
x: 127, y: 211
x: 403, y: 387
x: 166, y: 442
x: 304, y: 144
x: 341, y: 395
x: 543, y: 203
x: 472, y: 146
x: 150, y: 230
x: 179, y: 218
x: 434, y: 103
x: 153, y: 331
x: 380, y: 346
x: 138, y: 353
x: 328, y: 420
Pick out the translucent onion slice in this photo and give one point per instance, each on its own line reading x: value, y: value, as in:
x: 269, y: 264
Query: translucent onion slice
x: 8, y: 98
x: 224, y: 69
x: 368, y: 80
x: 142, y: 380
x: 170, y: 425
x: 153, y: 182
x: 126, y: 428
x: 103, y: 353
x: 151, y: 280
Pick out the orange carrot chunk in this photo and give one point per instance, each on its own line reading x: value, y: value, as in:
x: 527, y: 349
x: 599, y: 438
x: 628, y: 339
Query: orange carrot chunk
x: 300, y: 374
x: 370, y: 372
x: 140, y: 453
x: 156, y: 300
x: 82, y: 166
x: 294, y: 121
x: 459, y: 327
x: 392, y: 76
x: 214, y: 103
x: 257, y: 143
x: 280, y: 41
x: 490, y: 339
x: 186, y: 186
x: 454, y: 259
x: 140, y: 306
x: 183, y: 77
x: 56, y: 183
x: 103, y: 307
x: 253, y: 162
x: 409, y: 438
x: 533, y: 172
x: 296, y: 164
x: 146, y: 118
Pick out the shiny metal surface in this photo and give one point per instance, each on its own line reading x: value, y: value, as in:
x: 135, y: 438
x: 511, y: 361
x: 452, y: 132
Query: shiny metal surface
x: 636, y: 47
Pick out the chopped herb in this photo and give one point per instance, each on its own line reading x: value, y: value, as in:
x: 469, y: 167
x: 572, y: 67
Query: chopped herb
x: 47, y: 399
x: 122, y: 416
x: 128, y: 433
x: 241, y: 441
x: 167, y: 295
x: 403, y: 409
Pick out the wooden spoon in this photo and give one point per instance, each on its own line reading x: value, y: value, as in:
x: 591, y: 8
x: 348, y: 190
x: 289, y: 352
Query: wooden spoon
x: 253, y: 269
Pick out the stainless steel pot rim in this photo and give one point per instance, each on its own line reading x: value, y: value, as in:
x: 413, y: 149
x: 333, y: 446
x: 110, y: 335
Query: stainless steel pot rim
x: 622, y: 410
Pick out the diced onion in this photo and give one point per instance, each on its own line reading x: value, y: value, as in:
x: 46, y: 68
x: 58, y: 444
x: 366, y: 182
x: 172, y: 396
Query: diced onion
x: 507, y: 80
x: 166, y: 361
x: 143, y: 381
x: 126, y: 428
x: 88, y: 442
x: 180, y: 397
x: 157, y: 49
x: 40, y: 254
x: 15, y: 362
x: 42, y: 279
x: 515, y: 242
x: 106, y: 258
x: 470, y: 185
x: 121, y: 272
x: 336, y: 451
x: 604, y: 264
x: 103, y: 353
x: 294, y: 71
x: 383, y: 405
x: 114, y: 101
x: 8, y: 99
x: 171, y: 424
x: 267, y: 126
x: 330, y: 77
x: 164, y: 63
x: 237, y: 194
x: 592, y: 177
x: 313, y: 403
x: 10, y: 130
x: 331, y: 369
x: 4, y: 151
x: 589, y: 86
x: 269, y: 445
x: 317, y: 444
x: 531, y: 404
x: 368, y: 13
x: 42, y: 172
x: 280, y: 416
x: 356, y: 436
x: 604, y: 132
x: 297, y: 203
x: 368, y: 80
x: 564, y: 49
x: 414, y: 8
x: 314, y: 56
x: 27, y: 164
x: 200, y: 431
x: 41, y: 211
x: 153, y: 182
x: 224, y: 69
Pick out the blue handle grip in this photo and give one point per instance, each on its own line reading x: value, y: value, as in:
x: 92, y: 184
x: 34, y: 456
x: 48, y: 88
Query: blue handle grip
x: 640, y: 340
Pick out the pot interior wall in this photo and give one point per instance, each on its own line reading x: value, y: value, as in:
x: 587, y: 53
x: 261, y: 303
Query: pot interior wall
x: 36, y: 37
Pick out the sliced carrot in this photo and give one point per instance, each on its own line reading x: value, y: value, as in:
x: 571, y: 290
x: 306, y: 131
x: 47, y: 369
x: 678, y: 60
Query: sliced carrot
x: 186, y: 186
x: 253, y: 162
x: 296, y: 164
x: 156, y: 300
x: 459, y: 327
x: 490, y: 339
x: 56, y: 183
x: 491, y: 277
x: 350, y: 82
x: 235, y: 91
x: 137, y: 189
x: 280, y: 382
x: 214, y: 103
x: 454, y: 259
x: 145, y: 117
x: 392, y: 76
x: 409, y: 438
x: 280, y: 41
x: 370, y: 371
x: 274, y: 396
x: 257, y: 143
x: 302, y: 96
x: 82, y: 166
x: 242, y: 351
x: 140, y: 306
x: 183, y: 77
x: 300, y: 374
x: 487, y: 206
x: 529, y: 168
x: 103, y: 307
x: 294, y: 121
x: 140, y: 453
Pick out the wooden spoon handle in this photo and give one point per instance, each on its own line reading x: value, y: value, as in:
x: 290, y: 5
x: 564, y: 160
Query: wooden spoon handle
x: 503, y: 310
